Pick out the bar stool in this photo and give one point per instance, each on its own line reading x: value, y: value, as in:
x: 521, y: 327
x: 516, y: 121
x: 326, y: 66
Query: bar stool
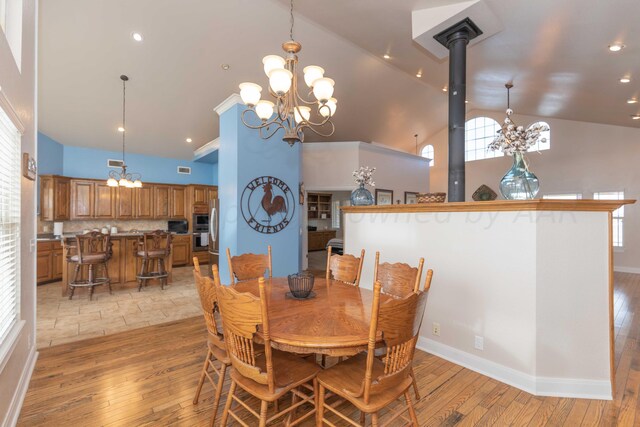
x: 93, y: 249
x: 154, y: 246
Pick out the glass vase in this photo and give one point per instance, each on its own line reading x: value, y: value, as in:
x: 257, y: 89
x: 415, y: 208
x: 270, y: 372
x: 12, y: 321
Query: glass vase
x: 361, y: 197
x: 519, y: 183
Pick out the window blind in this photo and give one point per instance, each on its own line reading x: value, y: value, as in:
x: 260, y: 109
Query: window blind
x: 9, y: 224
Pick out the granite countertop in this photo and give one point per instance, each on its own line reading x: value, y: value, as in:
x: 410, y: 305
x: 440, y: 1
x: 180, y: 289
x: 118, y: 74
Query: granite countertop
x: 49, y: 237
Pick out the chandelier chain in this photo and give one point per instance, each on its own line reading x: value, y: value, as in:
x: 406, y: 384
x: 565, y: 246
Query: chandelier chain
x: 124, y: 125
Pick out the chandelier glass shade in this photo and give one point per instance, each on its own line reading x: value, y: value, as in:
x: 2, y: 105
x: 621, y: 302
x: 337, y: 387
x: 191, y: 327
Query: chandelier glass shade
x: 122, y: 178
x: 290, y: 111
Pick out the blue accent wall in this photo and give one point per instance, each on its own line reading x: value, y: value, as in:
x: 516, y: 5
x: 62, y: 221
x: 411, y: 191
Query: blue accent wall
x: 50, y: 156
x: 82, y: 162
x: 243, y: 157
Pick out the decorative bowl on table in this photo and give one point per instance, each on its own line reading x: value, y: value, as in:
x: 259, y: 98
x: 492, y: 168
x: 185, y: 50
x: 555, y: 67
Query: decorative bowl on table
x: 431, y: 197
x: 301, y: 285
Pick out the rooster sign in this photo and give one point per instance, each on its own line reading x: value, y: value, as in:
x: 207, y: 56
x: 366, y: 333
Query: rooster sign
x: 267, y: 204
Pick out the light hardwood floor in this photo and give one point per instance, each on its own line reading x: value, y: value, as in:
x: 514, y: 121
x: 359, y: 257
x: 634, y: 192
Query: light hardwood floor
x: 148, y: 377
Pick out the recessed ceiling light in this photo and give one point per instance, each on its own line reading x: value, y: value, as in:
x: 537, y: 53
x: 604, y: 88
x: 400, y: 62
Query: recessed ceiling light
x: 120, y: 129
x: 625, y: 80
x: 616, y: 47
x: 225, y: 66
x: 419, y: 75
x: 466, y: 102
x: 444, y: 89
x: 632, y: 101
x: 386, y: 56
x: 189, y: 140
x: 137, y: 36
x: 636, y: 117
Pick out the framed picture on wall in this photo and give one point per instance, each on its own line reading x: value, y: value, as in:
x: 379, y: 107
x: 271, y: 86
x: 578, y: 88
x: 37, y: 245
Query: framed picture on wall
x: 384, y: 197
x: 410, y: 198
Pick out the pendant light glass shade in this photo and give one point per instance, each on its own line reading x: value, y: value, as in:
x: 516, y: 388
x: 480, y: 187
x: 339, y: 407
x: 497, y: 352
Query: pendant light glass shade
x: 323, y: 89
x: 272, y: 62
x: 250, y: 93
x: 330, y: 108
x: 280, y: 81
x: 301, y: 114
x: 264, y: 109
x: 111, y: 182
x: 312, y: 73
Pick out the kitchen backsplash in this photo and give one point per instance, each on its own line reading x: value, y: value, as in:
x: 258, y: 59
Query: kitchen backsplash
x: 78, y: 226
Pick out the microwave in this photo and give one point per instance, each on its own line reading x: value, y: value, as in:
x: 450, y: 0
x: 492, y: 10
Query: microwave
x: 201, y: 223
x: 178, y: 227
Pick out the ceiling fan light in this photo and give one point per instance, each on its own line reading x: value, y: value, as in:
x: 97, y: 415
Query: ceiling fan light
x: 301, y: 114
x: 112, y: 182
x: 264, y: 109
x: 280, y: 81
x: 323, y: 89
x: 272, y: 62
x: 250, y: 93
x: 312, y: 73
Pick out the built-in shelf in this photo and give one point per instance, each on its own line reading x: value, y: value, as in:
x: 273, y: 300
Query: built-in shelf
x: 319, y: 205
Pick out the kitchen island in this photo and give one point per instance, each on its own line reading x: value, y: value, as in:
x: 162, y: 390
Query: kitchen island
x: 522, y: 291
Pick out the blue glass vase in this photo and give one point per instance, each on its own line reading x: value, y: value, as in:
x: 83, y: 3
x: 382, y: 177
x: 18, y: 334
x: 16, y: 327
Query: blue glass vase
x: 519, y: 183
x: 361, y: 197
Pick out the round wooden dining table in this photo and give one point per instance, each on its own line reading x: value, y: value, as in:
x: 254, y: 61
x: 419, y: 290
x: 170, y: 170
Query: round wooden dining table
x: 334, y: 322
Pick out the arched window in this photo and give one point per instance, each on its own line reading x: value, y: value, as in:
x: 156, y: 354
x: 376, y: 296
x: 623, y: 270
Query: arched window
x: 479, y: 133
x: 539, y: 146
x: 427, y: 151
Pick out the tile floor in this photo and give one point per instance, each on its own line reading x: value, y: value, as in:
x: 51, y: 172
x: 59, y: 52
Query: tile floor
x: 60, y: 320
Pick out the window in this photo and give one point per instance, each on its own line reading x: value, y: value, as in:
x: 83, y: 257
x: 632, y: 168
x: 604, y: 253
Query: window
x: 9, y: 225
x: 478, y: 134
x: 427, y: 151
x: 539, y: 146
x: 335, y: 214
x: 565, y: 196
x: 618, y: 215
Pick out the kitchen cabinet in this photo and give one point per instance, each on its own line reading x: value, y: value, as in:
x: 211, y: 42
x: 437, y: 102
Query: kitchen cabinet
x: 114, y: 264
x: 82, y: 199
x: 198, y: 194
x: 54, y: 198
x: 105, y: 200
x: 212, y: 193
x: 132, y: 263
x: 317, y: 240
x: 125, y: 203
x: 49, y: 262
x: 181, y: 248
x: 161, y: 201
x: 144, y: 202
x: 203, y: 256
x: 177, y: 202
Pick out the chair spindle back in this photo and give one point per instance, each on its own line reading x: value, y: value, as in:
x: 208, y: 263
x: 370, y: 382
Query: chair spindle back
x: 398, y: 279
x: 249, y: 266
x: 345, y: 268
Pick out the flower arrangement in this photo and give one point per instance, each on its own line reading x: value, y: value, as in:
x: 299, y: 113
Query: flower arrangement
x: 512, y: 138
x: 363, y: 175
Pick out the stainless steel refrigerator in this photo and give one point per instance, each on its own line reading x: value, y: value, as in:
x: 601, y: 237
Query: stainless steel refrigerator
x: 214, y: 233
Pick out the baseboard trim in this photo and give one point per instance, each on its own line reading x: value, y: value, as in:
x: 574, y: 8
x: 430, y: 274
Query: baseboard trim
x: 539, y: 386
x: 11, y: 419
x: 620, y: 269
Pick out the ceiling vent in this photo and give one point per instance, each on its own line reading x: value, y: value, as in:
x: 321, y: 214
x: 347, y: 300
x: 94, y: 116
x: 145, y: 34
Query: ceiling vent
x: 184, y: 170
x: 117, y: 164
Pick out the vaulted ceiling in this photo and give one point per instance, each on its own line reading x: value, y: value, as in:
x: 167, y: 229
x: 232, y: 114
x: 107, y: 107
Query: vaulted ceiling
x: 555, y: 53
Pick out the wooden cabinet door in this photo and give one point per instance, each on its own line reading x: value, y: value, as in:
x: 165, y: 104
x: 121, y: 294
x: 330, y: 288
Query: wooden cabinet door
x: 161, y: 201
x: 212, y: 193
x: 46, y: 198
x: 116, y: 259
x: 125, y: 203
x: 61, y: 202
x: 82, y: 194
x: 43, y: 266
x: 199, y: 194
x: 56, y: 264
x: 180, y: 252
x: 177, y: 202
x: 131, y: 265
x: 105, y: 199
x: 144, y: 202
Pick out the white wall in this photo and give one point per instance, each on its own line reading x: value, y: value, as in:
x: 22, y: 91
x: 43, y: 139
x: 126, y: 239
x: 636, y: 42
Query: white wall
x: 517, y: 279
x: 20, y: 90
x: 584, y: 158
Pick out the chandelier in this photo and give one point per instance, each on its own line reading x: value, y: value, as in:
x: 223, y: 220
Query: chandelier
x: 292, y: 111
x: 123, y: 178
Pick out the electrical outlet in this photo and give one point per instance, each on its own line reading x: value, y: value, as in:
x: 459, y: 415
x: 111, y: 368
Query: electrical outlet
x: 479, y: 344
x: 436, y: 329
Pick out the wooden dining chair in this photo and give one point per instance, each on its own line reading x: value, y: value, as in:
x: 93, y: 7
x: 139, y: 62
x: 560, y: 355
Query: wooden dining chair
x: 399, y: 280
x: 266, y: 376
x: 249, y: 266
x: 216, y: 348
x: 372, y: 384
x: 345, y: 268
